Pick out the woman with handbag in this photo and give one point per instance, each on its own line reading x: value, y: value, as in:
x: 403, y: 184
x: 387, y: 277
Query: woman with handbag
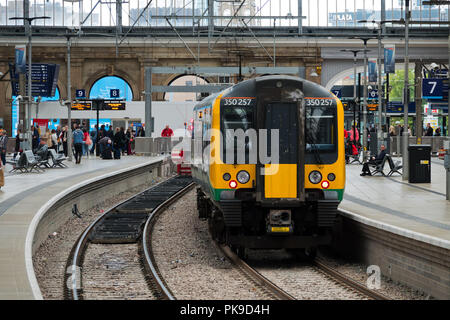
x: 88, y: 143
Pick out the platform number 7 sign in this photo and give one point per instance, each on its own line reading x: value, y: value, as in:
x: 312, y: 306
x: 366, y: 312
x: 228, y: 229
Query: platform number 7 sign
x: 114, y: 93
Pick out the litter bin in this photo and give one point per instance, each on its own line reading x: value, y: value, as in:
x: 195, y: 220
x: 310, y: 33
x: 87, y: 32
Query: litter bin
x: 419, y: 163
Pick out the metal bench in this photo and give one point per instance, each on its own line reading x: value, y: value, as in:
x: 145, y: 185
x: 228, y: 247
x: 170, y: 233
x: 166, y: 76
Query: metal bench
x: 379, y: 167
x: 57, y: 159
x: 394, y: 166
x: 31, y: 162
x: 19, y: 163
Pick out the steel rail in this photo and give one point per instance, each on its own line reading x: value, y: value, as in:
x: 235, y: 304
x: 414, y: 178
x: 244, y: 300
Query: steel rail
x: 322, y: 266
x: 254, y: 275
x: 150, y: 262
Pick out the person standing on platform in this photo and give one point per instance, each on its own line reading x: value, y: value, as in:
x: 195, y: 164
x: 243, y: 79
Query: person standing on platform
x: 429, y: 130
x: 19, y: 139
x: 141, y: 132
x: 130, y: 139
x: 85, y: 142
x: 93, y: 135
x: 78, y: 143
x: 167, y: 133
x: 118, y: 143
x: 63, y: 139
x: 34, y: 138
x: 48, y: 138
x: 54, y: 138
x: 109, y: 133
x: 437, y: 132
x: 3, y: 145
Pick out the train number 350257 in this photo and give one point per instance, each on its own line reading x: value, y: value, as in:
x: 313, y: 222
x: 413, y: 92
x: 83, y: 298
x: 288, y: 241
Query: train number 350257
x: 237, y: 101
x: 319, y: 102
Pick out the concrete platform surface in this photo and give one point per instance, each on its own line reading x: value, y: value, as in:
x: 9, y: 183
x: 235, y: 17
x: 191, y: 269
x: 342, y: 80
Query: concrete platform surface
x: 22, y: 201
x: 417, y: 210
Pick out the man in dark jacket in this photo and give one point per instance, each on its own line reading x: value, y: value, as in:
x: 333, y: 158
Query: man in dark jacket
x: 429, y: 130
x: 374, y: 161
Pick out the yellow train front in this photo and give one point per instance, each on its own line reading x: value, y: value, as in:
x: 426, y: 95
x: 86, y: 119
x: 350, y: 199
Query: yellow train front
x: 268, y: 155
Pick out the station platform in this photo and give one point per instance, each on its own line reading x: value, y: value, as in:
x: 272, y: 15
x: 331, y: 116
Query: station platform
x: 23, y: 200
x: 415, y: 210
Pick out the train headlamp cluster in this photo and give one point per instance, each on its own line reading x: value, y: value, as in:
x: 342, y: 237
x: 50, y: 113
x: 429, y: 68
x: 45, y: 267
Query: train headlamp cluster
x: 315, y: 177
x: 243, y: 176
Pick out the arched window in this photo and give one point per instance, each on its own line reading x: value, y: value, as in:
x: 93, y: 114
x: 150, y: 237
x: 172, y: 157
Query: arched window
x: 102, y: 89
x: 15, y: 110
x: 184, y: 96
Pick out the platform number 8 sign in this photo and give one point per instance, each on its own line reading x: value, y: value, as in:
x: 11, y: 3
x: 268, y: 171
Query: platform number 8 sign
x: 114, y: 93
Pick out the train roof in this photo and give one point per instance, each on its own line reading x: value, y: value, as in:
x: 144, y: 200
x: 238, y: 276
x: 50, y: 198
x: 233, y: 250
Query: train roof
x: 248, y: 88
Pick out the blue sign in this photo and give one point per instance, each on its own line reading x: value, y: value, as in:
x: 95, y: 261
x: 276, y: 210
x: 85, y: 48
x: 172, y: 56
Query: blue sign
x: 397, y: 107
x: 44, y: 78
x: 373, y: 74
x: 337, y: 92
x: 114, y: 93
x: 80, y: 93
x: 389, y: 59
x: 432, y: 89
x: 372, y: 94
x: 20, y: 53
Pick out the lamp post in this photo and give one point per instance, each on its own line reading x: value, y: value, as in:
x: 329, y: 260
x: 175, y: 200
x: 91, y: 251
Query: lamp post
x: 365, y: 98
x: 355, y: 53
x: 405, y: 170
x: 28, y: 27
x: 379, y: 24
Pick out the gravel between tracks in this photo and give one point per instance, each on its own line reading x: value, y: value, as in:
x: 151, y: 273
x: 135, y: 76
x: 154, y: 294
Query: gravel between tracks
x: 188, y: 260
x: 300, y: 279
x: 388, y: 287
x: 50, y: 259
x: 113, y: 271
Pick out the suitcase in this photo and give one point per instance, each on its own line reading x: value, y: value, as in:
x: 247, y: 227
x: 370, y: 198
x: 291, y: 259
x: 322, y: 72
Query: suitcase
x: 117, y: 154
x: 106, y: 153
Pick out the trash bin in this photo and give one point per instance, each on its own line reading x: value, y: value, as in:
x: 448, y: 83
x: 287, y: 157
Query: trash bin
x: 419, y: 163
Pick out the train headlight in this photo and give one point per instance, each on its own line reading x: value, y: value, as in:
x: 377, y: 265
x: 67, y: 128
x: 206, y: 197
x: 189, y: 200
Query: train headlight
x: 226, y: 176
x: 325, y: 184
x: 315, y: 177
x: 243, y: 176
x: 331, y: 176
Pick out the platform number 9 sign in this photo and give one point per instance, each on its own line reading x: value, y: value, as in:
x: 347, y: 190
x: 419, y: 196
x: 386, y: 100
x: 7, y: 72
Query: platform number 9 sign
x: 114, y: 93
x: 80, y: 93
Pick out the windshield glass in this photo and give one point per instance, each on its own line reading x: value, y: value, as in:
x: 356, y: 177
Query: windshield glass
x: 233, y: 118
x: 321, y: 128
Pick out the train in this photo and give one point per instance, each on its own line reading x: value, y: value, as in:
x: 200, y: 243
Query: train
x: 268, y: 157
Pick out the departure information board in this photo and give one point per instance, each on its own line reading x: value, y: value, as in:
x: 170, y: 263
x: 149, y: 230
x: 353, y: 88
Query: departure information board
x: 113, y: 105
x: 44, y: 78
x: 80, y: 106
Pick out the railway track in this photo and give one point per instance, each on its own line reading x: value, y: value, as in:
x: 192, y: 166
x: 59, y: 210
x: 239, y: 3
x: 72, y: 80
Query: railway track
x: 124, y: 228
x: 318, y: 266
x: 347, y: 281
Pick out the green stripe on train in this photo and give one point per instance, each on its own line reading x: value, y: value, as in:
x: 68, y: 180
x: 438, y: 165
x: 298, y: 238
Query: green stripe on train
x: 216, y: 193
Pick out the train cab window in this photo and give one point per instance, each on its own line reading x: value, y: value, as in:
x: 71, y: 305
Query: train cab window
x: 321, y: 129
x: 232, y: 118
